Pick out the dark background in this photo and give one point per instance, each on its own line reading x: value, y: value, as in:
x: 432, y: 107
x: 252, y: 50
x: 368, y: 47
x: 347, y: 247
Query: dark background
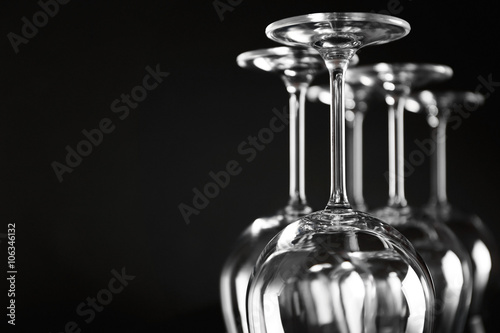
x: 119, y: 207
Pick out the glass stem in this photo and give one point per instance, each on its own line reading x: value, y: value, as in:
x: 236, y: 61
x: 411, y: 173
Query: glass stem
x: 354, y: 160
x: 338, y: 199
x: 349, y: 142
x: 396, y: 151
x: 357, y: 170
x: 438, y: 195
x: 297, y: 88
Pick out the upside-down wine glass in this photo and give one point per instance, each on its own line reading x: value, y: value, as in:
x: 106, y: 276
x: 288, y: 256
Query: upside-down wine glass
x: 297, y: 67
x: 440, y: 108
x: 339, y: 270
x: 445, y: 257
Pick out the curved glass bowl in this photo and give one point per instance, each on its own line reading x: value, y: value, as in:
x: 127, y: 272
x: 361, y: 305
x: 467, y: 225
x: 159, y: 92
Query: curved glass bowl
x: 481, y: 246
x: 334, y: 273
x: 446, y: 259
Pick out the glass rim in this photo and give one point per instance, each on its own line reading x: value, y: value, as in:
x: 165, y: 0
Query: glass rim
x: 337, y: 16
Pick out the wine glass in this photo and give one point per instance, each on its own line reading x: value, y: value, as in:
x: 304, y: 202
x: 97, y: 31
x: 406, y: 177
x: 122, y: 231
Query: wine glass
x: 297, y: 67
x: 339, y: 270
x: 438, y: 107
x: 445, y: 257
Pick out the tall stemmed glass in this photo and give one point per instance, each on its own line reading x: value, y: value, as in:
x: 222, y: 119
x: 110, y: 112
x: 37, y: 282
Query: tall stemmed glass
x: 339, y: 270
x: 471, y: 231
x: 297, y: 67
x: 446, y: 258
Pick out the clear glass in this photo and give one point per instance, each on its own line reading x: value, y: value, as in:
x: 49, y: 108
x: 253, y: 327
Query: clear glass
x: 469, y: 228
x: 297, y: 68
x: 339, y: 270
x: 445, y: 257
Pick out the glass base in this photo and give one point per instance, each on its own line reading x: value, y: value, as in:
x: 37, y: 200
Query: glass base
x: 337, y: 32
x: 406, y: 74
x: 283, y: 60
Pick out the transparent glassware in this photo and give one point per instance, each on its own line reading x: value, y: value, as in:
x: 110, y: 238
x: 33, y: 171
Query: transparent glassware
x: 445, y: 256
x: 438, y: 107
x: 339, y: 270
x: 297, y: 67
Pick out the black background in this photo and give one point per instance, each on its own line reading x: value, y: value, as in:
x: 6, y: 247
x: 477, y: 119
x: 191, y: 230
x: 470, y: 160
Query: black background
x: 119, y: 207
